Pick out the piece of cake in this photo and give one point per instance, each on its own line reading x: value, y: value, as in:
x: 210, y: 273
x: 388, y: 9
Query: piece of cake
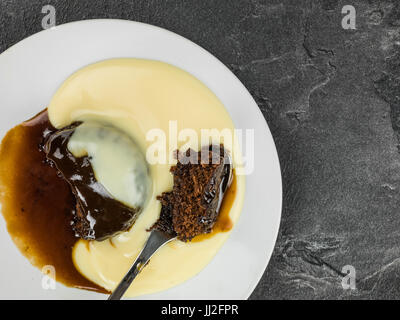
x: 200, y: 180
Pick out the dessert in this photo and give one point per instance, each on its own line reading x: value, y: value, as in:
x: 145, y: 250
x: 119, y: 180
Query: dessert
x: 147, y: 104
x: 193, y: 205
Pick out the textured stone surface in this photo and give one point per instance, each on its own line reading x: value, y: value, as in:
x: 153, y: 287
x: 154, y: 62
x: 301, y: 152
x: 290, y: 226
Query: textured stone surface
x: 332, y: 100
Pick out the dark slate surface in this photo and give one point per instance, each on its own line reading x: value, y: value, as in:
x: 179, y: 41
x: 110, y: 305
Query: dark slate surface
x: 332, y: 100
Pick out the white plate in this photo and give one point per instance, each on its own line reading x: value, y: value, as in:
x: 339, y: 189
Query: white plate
x: 32, y: 70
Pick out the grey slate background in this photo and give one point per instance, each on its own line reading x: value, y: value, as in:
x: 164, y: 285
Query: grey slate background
x: 332, y: 100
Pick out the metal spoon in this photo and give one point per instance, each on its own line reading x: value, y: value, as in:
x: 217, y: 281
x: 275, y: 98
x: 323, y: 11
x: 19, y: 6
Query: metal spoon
x: 155, y: 241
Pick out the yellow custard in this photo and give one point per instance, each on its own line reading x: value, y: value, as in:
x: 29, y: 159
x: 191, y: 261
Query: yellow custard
x: 138, y: 96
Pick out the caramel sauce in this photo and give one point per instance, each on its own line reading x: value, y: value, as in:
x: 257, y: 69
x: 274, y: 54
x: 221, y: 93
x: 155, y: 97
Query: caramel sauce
x: 37, y: 204
x: 98, y: 215
x: 224, y: 222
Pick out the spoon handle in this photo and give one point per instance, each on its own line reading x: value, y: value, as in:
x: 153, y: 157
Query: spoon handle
x: 155, y: 241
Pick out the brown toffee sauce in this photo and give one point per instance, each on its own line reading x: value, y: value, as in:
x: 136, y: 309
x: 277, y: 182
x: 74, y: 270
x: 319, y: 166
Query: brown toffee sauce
x: 38, y: 205
x: 223, y: 222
